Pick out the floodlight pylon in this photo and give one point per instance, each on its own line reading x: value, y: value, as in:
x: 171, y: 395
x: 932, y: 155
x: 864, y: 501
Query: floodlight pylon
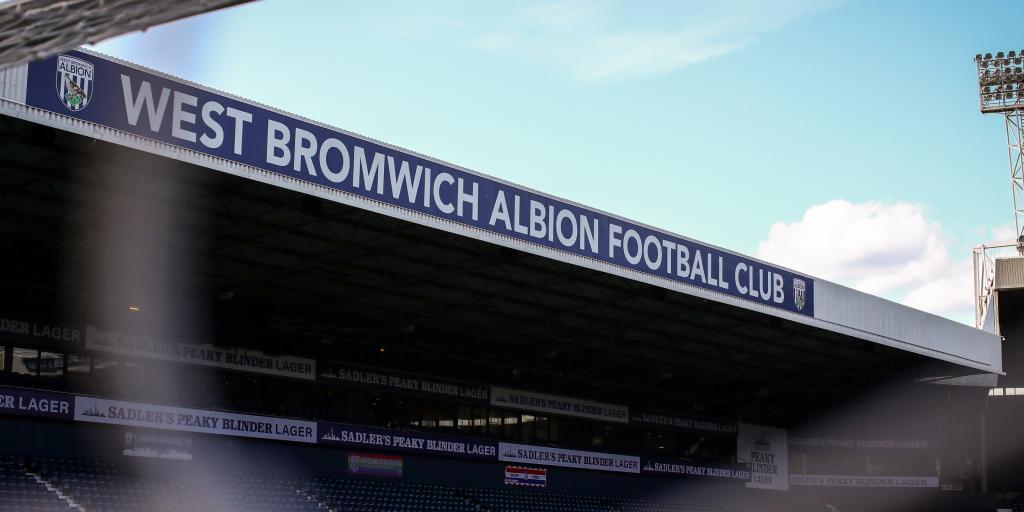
x: 1001, y: 91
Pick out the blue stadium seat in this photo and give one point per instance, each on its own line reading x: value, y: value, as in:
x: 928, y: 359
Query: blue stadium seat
x: 105, y: 487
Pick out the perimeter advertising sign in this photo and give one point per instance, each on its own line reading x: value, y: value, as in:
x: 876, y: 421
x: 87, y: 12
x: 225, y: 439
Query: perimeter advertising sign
x: 203, y: 355
x: 765, y: 451
x: 549, y: 456
x: 157, y: 445
x: 117, y: 412
x: 859, y: 443
x: 142, y: 103
x: 731, y: 472
x: 919, y: 482
x: 525, y: 476
x: 684, y: 423
x: 562, y: 405
x: 358, y: 436
x: 41, y: 404
x: 38, y: 331
x: 387, y: 380
x: 371, y: 464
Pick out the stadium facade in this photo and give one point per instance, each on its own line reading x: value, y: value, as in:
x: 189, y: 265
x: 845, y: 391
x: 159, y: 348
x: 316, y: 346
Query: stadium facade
x: 196, y: 280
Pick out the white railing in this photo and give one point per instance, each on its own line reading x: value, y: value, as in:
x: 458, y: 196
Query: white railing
x: 984, y: 274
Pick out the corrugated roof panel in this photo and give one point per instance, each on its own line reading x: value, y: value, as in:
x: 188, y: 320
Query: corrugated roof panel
x: 896, y: 325
x: 754, y: 285
x: 1009, y: 273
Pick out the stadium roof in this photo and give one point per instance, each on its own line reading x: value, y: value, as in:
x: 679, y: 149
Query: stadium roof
x: 309, y: 262
x: 33, y: 29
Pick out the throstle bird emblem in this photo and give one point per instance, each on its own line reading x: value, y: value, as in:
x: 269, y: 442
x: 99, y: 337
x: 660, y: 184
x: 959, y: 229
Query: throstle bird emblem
x: 799, y: 294
x: 74, y: 96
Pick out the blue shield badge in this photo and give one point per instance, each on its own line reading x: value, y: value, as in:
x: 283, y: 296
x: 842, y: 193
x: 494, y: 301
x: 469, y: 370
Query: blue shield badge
x: 799, y: 294
x: 74, y: 82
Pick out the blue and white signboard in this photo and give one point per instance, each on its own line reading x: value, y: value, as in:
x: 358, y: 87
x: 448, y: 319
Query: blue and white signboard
x: 134, y: 414
x: 578, y: 459
x: 118, y: 96
x: 359, y: 436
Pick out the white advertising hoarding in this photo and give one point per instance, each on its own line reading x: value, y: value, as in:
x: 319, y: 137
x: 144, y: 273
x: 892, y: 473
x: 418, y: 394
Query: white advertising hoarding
x: 551, y: 404
x: 116, y: 412
x: 547, y: 456
x: 204, y: 355
x: 864, y: 481
x: 765, y: 450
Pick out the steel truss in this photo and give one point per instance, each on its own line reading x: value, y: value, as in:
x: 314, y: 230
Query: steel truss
x: 1015, y: 150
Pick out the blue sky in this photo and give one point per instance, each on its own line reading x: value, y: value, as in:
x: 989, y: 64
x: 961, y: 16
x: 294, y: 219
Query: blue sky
x: 841, y: 138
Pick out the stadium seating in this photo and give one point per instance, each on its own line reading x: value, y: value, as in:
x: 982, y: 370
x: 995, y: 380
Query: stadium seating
x: 525, y: 501
x: 22, y: 492
x: 104, y: 487
x: 377, y: 496
x: 372, y: 496
x: 93, y: 486
x: 660, y: 505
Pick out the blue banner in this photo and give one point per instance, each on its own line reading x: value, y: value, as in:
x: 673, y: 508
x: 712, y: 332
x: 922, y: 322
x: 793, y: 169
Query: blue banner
x: 94, y: 89
x: 42, y: 404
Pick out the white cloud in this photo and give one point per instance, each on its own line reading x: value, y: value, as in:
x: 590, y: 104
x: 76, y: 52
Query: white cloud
x: 890, y: 249
x: 601, y: 40
x: 949, y: 293
x: 1004, y: 233
x: 875, y: 247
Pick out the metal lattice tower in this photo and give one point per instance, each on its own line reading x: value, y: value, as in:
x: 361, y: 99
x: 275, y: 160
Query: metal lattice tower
x: 1001, y: 90
x: 1015, y: 148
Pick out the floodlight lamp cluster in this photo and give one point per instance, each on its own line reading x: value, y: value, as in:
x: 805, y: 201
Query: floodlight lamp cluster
x: 1001, y: 81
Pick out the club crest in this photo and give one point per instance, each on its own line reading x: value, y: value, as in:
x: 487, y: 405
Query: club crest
x: 799, y: 293
x: 74, y: 82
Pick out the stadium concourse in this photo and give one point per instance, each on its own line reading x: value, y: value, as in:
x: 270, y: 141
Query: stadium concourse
x: 213, y: 305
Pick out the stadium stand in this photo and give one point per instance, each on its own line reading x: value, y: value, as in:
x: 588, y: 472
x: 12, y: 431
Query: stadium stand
x: 370, y: 496
x: 106, y: 487
x: 139, y: 284
x: 48, y: 484
x: 515, y: 501
x: 21, y: 491
x: 507, y: 500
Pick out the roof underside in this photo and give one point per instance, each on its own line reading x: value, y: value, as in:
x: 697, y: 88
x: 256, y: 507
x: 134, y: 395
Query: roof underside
x: 33, y: 29
x: 90, y: 227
